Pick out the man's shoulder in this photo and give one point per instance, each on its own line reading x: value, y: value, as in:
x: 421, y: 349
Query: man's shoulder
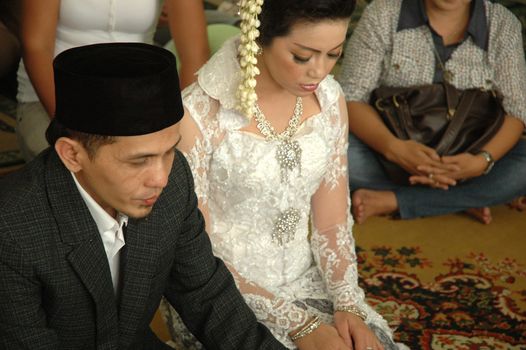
x: 180, y: 165
x: 19, y: 185
x: 23, y: 191
x: 180, y: 181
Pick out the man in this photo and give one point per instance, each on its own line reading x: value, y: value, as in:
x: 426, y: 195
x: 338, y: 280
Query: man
x: 101, y: 225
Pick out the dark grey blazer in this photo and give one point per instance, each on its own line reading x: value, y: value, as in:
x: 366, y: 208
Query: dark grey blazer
x: 55, y: 285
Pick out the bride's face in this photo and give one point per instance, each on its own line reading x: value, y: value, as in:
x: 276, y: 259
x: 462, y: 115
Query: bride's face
x: 299, y: 61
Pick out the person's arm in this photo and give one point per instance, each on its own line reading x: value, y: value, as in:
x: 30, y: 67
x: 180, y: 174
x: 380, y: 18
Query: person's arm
x: 333, y: 244
x: 188, y: 28
x: 38, y: 32
x: 23, y: 321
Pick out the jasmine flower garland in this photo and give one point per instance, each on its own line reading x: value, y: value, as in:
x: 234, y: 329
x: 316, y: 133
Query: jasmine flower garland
x: 248, y: 50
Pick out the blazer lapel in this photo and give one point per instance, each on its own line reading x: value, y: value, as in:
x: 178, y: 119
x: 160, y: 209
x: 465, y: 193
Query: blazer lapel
x: 87, y: 257
x: 140, y: 261
x: 92, y: 268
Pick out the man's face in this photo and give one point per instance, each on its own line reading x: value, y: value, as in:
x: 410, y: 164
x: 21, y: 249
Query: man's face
x: 129, y: 174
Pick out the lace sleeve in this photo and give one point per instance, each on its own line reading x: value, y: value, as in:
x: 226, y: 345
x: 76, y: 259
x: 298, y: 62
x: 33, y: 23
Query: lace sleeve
x: 270, y: 309
x: 201, y: 133
x: 332, y: 241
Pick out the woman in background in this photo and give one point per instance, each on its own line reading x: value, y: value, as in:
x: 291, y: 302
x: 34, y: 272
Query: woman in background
x: 52, y: 26
x: 403, y: 43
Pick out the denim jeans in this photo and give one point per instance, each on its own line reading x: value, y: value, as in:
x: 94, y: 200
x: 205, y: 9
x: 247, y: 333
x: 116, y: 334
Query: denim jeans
x: 506, y: 181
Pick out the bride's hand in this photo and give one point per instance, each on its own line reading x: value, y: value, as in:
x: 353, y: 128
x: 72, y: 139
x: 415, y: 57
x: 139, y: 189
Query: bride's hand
x: 356, y: 334
x: 325, y: 337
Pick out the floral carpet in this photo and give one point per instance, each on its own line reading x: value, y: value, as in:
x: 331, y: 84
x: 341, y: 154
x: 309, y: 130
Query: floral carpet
x: 448, y: 293
x: 473, y: 306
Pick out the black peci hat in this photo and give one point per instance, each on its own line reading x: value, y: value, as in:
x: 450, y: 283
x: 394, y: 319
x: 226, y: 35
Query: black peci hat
x: 117, y: 89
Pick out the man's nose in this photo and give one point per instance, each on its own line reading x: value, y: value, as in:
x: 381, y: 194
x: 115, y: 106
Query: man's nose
x: 158, y: 175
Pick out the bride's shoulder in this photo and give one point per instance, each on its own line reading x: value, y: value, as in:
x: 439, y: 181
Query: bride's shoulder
x: 220, y: 76
x: 329, y: 91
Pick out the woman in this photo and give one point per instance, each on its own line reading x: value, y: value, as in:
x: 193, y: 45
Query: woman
x: 273, y: 187
x: 50, y: 27
x: 403, y: 43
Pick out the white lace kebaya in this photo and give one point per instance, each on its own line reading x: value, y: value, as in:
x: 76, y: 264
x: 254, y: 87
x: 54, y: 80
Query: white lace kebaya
x: 243, y: 196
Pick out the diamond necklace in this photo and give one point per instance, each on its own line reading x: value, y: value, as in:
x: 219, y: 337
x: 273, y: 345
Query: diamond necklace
x: 288, y: 153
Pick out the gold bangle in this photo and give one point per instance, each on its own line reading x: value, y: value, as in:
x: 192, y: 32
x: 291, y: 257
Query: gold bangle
x: 353, y: 309
x: 310, y: 327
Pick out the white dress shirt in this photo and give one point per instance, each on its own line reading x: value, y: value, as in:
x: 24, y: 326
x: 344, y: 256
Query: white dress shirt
x: 110, y: 230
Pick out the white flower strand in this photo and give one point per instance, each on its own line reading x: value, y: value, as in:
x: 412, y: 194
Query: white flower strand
x: 248, y: 49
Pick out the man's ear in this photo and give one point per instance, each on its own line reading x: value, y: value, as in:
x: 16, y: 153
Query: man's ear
x: 71, y: 153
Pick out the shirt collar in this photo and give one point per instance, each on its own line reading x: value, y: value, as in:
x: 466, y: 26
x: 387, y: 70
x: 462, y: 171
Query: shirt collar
x: 102, y: 219
x: 413, y: 15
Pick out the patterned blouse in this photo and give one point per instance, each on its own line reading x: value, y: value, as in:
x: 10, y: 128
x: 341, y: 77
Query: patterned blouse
x: 378, y: 53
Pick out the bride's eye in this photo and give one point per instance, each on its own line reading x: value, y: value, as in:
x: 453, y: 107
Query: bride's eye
x: 300, y: 59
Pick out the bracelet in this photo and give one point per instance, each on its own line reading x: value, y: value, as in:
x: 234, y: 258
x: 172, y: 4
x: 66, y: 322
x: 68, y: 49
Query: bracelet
x: 353, y: 309
x: 310, y: 327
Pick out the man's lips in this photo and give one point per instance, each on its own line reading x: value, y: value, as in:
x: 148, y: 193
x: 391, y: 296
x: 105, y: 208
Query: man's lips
x: 150, y: 200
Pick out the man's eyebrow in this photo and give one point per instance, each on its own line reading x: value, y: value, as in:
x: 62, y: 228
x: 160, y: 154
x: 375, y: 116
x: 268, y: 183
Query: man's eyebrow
x: 316, y: 50
x: 146, y: 155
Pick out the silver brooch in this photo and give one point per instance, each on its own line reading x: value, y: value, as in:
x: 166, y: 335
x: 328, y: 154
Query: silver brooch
x: 289, y: 157
x: 285, y: 226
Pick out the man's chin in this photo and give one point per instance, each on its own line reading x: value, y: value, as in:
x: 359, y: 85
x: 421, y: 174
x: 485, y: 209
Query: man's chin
x: 139, y: 212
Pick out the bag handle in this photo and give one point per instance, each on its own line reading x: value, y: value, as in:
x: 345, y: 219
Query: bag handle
x: 387, y: 110
x: 457, y: 119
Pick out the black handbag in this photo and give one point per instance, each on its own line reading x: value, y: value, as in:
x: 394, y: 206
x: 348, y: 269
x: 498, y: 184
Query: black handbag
x: 440, y: 116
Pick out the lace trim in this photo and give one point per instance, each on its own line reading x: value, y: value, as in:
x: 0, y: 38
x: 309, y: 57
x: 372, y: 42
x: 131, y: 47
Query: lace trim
x: 198, y: 160
x: 337, y: 168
